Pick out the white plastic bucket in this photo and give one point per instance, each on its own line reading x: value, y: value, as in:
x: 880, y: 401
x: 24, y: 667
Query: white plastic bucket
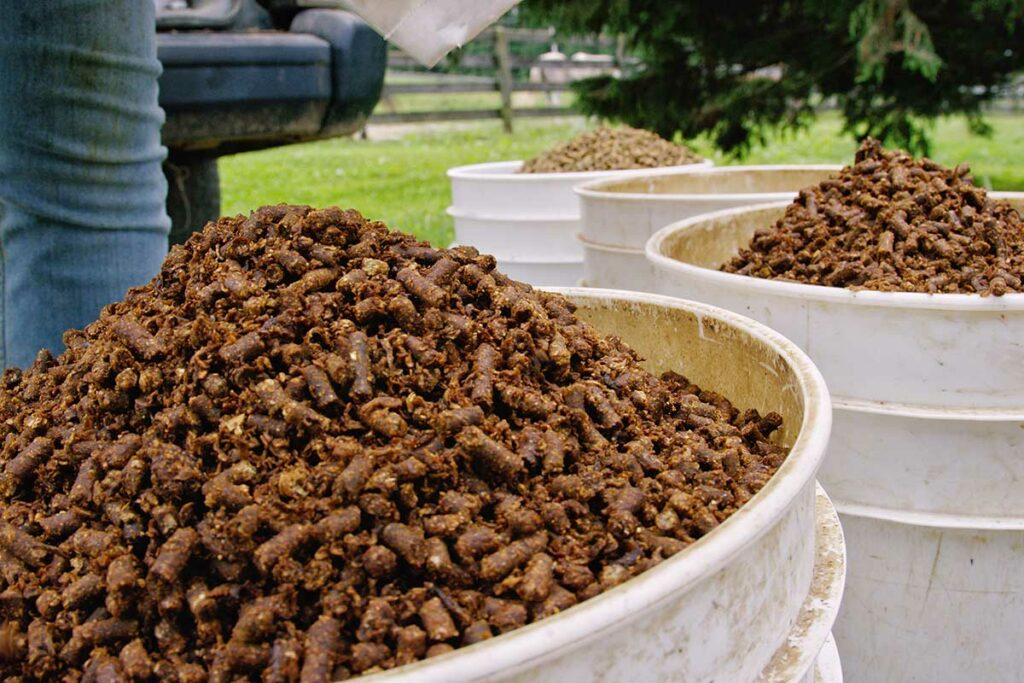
x: 512, y: 237
x: 941, y: 467
x: 616, y: 267
x: 625, y: 212
x: 925, y: 463
x: 497, y: 189
x: 543, y: 273
x: 528, y: 221
x: 828, y: 668
x: 817, y: 612
x: 946, y: 351
x: 539, y: 271
x: 929, y: 603
x: 618, y: 215
x: 756, y: 596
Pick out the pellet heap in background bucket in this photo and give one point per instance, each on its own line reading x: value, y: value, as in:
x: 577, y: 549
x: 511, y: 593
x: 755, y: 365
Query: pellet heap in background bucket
x: 896, y: 224
x: 527, y: 214
x: 313, y: 448
x: 611, y: 149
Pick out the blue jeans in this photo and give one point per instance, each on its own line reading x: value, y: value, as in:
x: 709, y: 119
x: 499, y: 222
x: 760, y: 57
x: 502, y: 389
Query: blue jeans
x: 82, y: 194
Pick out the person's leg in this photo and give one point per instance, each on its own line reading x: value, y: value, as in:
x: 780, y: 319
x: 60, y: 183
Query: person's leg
x: 82, y: 193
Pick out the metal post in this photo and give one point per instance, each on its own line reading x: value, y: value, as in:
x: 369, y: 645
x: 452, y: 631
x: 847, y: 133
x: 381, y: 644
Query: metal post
x: 503, y: 62
x: 620, y: 53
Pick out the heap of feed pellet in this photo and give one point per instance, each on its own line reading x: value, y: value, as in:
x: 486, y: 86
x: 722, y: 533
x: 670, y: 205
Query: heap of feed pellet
x: 312, y: 448
x: 611, y: 149
x: 893, y: 223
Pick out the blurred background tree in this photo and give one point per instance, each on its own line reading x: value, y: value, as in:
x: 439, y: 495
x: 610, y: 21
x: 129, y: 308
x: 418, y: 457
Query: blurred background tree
x: 739, y: 69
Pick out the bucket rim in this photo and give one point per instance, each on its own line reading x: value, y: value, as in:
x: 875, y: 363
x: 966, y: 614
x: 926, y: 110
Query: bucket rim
x: 915, y: 411
x: 596, y: 189
x: 611, y: 248
x: 932, y: 520
x: 456, y: 212
x: 811, y: 633
x: 507, y: 171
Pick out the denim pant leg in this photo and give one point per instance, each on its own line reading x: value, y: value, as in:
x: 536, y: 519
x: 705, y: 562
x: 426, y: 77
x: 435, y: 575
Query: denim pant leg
x: 82, y: 194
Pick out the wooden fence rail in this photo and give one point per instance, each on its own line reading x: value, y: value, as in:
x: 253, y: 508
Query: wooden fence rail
x: 450, y: 87
x: 502, y: 64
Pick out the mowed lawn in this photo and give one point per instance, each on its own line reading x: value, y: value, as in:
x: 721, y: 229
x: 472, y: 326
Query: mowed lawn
x: 402, y: 181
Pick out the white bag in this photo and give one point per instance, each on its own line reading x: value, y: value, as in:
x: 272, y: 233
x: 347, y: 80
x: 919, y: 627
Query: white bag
x: 428, y: 29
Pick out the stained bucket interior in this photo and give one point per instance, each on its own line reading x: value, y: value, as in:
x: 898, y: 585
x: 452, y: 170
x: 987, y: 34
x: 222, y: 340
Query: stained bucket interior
x: 710, y: 352
x: 711, y: 242
x: 754, y: 368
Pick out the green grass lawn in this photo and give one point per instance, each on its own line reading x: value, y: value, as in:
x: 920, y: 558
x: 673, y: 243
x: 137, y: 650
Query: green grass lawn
x: 997, y: 161
x: 403, y: 182
x: 411, y: 102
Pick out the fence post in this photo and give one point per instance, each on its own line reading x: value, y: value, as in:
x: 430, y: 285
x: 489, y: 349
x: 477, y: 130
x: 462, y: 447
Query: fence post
x: 620, y: 54
x: 503, y: 62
